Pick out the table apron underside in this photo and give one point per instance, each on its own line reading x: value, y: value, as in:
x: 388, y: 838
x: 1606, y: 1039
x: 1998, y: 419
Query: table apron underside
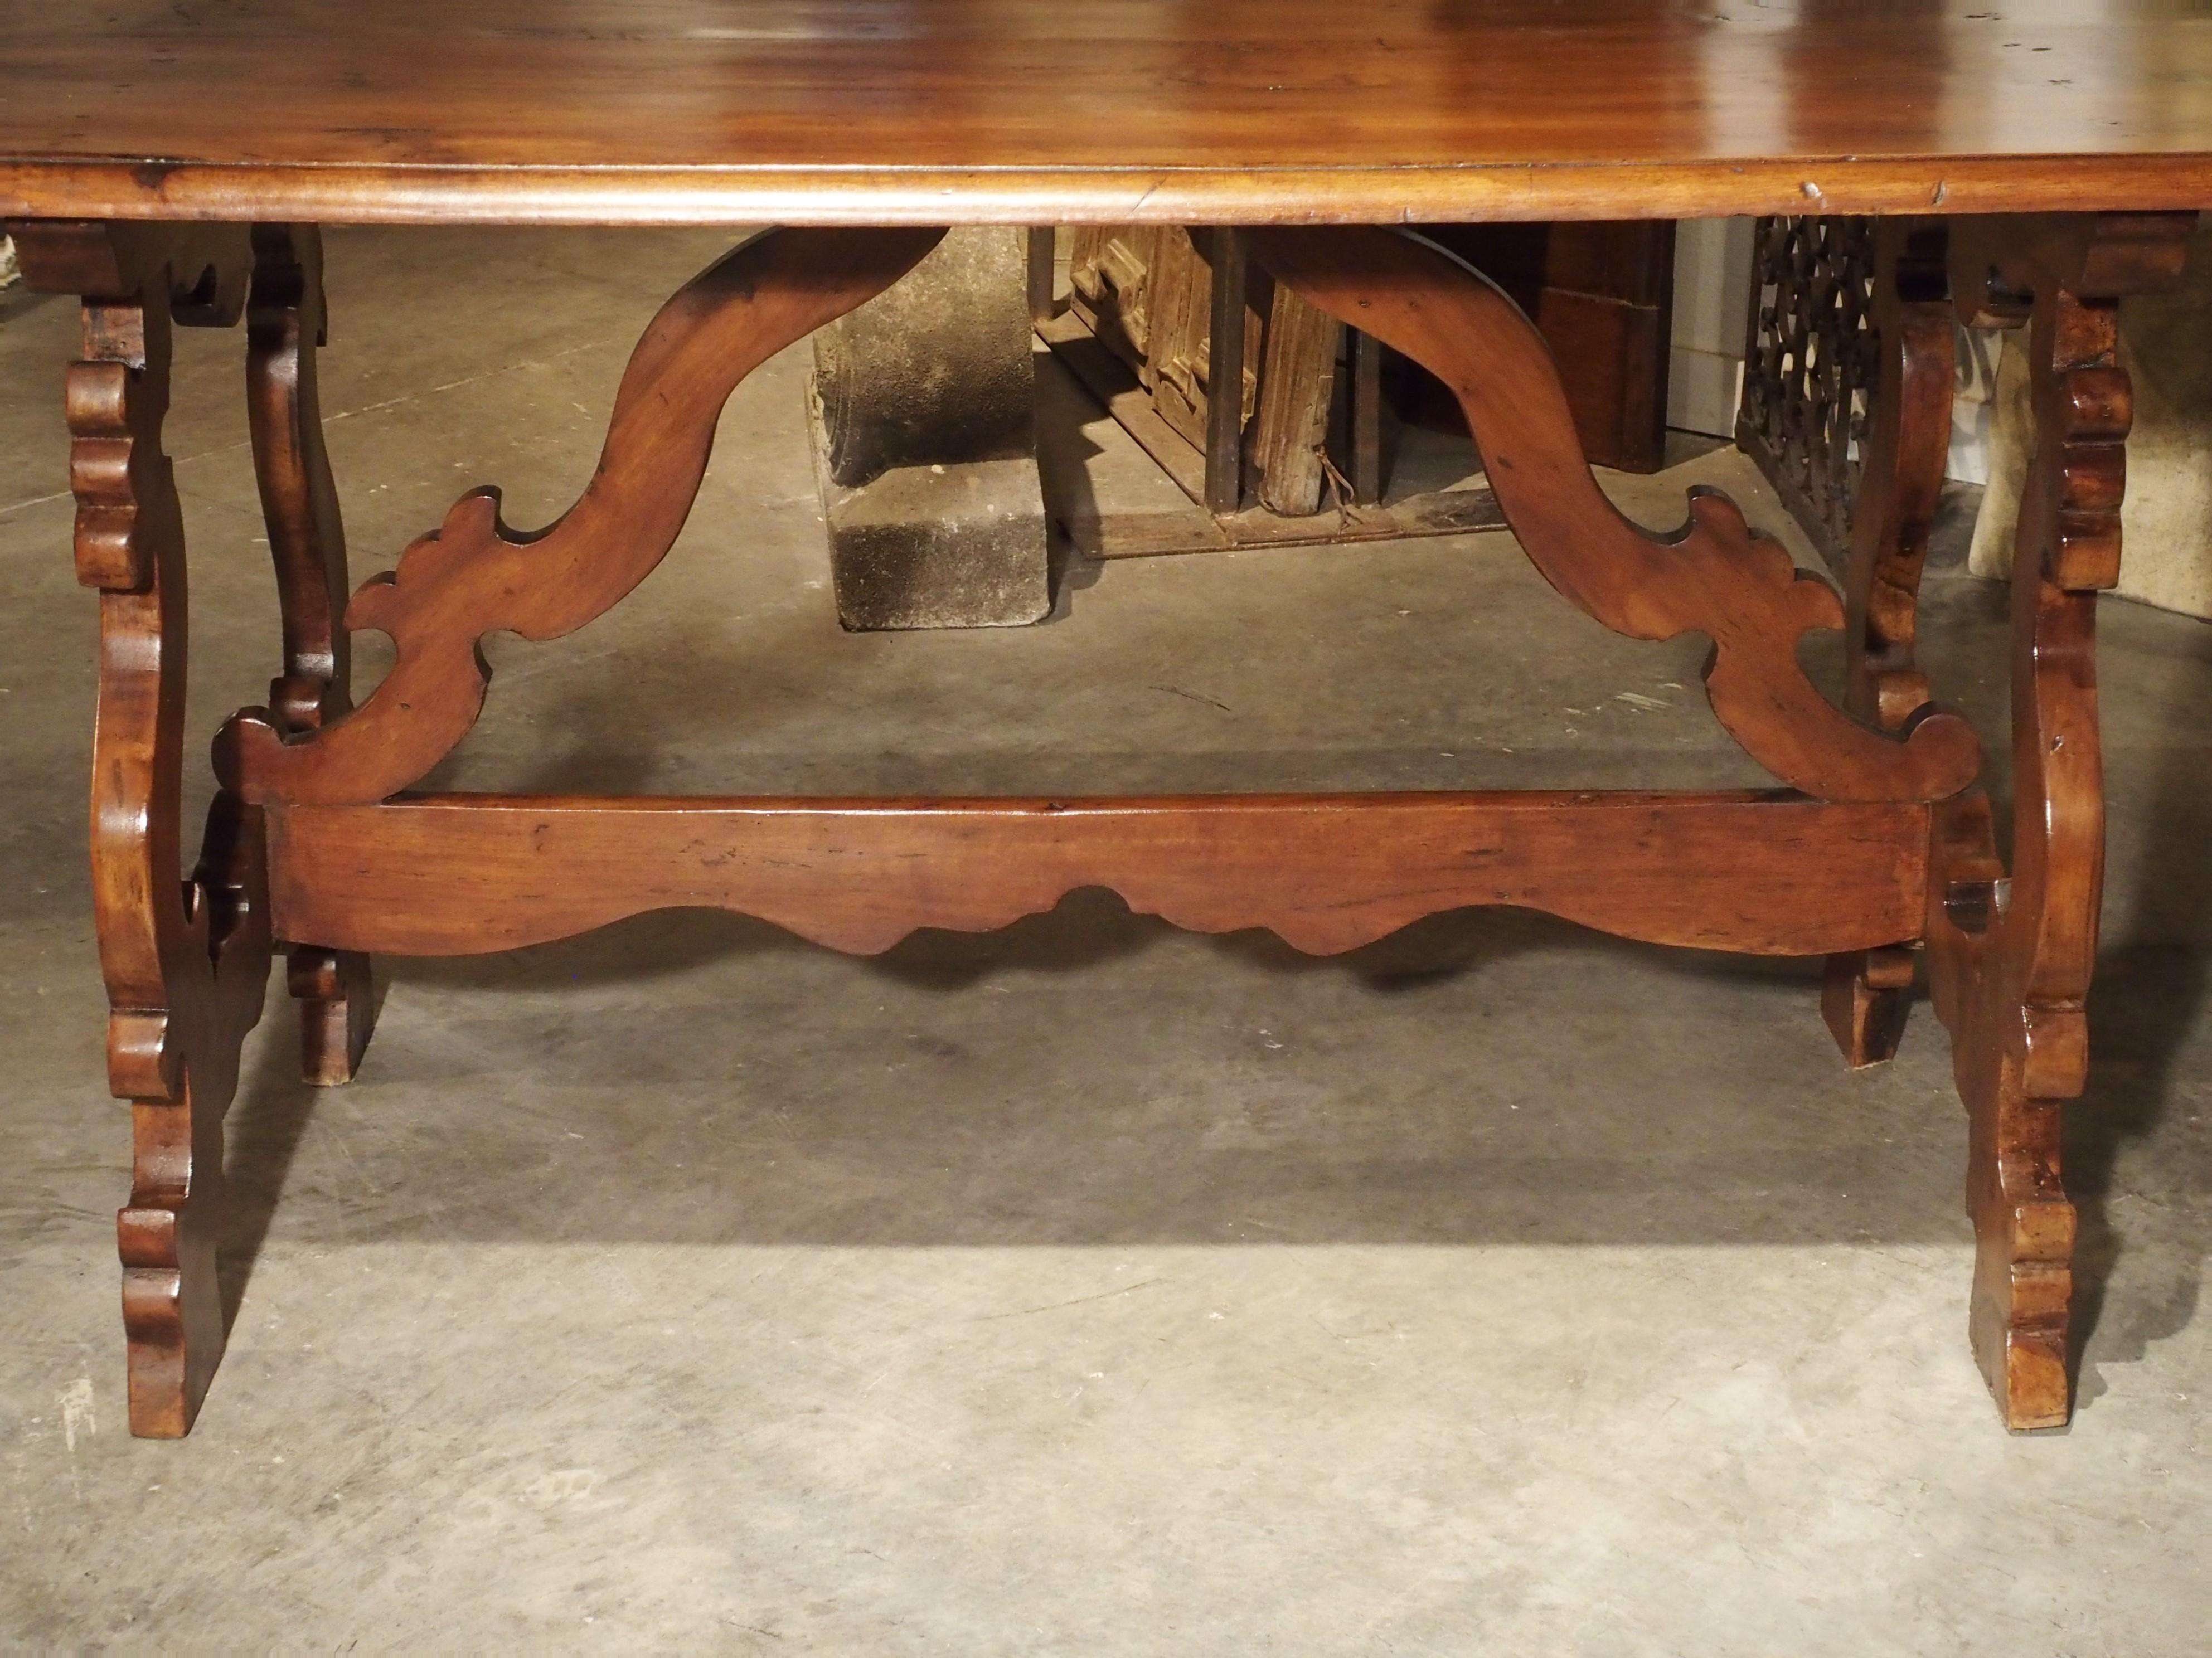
x: 1769, y: 873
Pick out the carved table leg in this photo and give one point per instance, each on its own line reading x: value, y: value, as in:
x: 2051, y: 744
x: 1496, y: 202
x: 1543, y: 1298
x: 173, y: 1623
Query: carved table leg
x: 1868, y: 993
x: 2010, y: 957
x: 285, y: 324
x: 185, y: 963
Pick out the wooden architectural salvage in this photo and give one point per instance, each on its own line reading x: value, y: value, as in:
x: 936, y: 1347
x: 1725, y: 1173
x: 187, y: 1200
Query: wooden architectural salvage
x: 1158, y: 297
x: 1717, y: 576
x: 1181, y: 312
x: 1150, y: 294
x: 2012, y: 944
x: 185, y: 957
x: 1811, y: 366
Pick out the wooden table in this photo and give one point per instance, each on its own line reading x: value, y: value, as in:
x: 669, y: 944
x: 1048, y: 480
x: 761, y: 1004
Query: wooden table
x: 2034, y: 161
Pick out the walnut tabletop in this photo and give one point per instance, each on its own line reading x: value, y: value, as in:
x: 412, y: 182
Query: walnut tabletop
x: 871, y: 111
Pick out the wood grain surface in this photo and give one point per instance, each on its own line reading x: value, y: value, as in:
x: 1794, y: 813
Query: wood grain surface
x: 453, y: 875
x: 1228, y: 112
x: 186, y: 958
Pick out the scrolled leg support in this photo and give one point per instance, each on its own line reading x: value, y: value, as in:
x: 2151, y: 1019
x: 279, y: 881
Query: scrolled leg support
x: 2012, y: 949
x: 186, y: 961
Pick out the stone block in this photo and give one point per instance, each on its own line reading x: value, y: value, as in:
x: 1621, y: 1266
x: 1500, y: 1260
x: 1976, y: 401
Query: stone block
x: 925, y: 439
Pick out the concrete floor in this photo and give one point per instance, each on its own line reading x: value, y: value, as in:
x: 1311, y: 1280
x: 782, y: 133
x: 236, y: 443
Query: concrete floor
x: 1087, y: 1287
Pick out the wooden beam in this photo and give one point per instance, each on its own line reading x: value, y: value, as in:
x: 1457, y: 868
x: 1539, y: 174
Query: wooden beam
x: 1225, y: 377
x: 446, y: 875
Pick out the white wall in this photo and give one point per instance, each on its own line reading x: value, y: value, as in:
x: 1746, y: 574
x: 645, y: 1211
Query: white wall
x: 1712, y: 304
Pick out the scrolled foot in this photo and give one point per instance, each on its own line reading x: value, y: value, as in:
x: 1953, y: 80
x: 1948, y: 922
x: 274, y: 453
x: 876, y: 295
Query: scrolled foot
x: 336, y: 998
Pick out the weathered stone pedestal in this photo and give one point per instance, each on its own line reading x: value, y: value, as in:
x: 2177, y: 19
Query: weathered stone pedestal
x: 924, y: 438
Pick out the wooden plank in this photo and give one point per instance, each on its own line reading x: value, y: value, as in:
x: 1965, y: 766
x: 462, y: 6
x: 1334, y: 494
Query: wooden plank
x: 1297, y: 392
x: 1225, y: 350
x: 1146, y: 534
x: 440, y: 875
x: 1024, y: 111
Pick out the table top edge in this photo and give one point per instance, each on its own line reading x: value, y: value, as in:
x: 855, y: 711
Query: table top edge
x: 182, y: 192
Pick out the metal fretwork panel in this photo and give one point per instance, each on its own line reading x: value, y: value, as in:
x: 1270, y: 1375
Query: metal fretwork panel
x: 1810, y: 368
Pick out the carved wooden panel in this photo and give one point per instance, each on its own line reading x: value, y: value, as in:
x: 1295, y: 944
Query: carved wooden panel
x: 1811, y: 366
x: 1145, y: 293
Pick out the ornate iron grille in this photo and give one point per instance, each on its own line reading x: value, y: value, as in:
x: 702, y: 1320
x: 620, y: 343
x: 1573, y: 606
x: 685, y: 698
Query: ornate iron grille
x: 1811, y: 367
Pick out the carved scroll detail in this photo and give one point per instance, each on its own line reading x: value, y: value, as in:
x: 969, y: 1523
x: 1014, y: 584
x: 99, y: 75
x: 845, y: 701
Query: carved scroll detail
x: 2011, y: 955
x: 185, y: 963
x: 474, y: 575
x: 1714, y: 576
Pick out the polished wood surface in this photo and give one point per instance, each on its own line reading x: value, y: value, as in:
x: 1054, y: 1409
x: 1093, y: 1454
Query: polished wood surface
x: 447, y: 875
x: 185, y: 960
x: 1019, y: 111
x: 285, y: 328
x: 2013, y: 943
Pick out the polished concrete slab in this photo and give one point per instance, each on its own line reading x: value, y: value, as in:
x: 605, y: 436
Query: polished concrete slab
x: 1086, y: 1287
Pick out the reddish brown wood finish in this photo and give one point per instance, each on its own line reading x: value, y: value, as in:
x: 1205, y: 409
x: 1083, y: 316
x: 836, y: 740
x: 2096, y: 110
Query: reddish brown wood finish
x: 2011, y: 953
x: 446, y: 875
x: 286, y: 322
x: 1022, y: 112
x: 1867, y: 993
x: 185, y: 961
x: 1846, y: 871
x: 1716, y: 576
x: 475, y: 576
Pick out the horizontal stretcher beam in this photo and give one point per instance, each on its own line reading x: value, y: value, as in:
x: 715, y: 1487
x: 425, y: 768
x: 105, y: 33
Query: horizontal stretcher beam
x: 1768, y: 874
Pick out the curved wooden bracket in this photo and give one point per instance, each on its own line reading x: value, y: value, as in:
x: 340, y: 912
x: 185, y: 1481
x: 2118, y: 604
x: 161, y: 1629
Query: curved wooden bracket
x: 475, y: 576
x: 1714, y: 576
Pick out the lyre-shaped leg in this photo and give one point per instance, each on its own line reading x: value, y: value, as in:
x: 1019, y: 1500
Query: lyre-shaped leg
x: 2011, y: 952
x: 285, y: 324
x: 186, y: 962
x: 1867, y: 993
